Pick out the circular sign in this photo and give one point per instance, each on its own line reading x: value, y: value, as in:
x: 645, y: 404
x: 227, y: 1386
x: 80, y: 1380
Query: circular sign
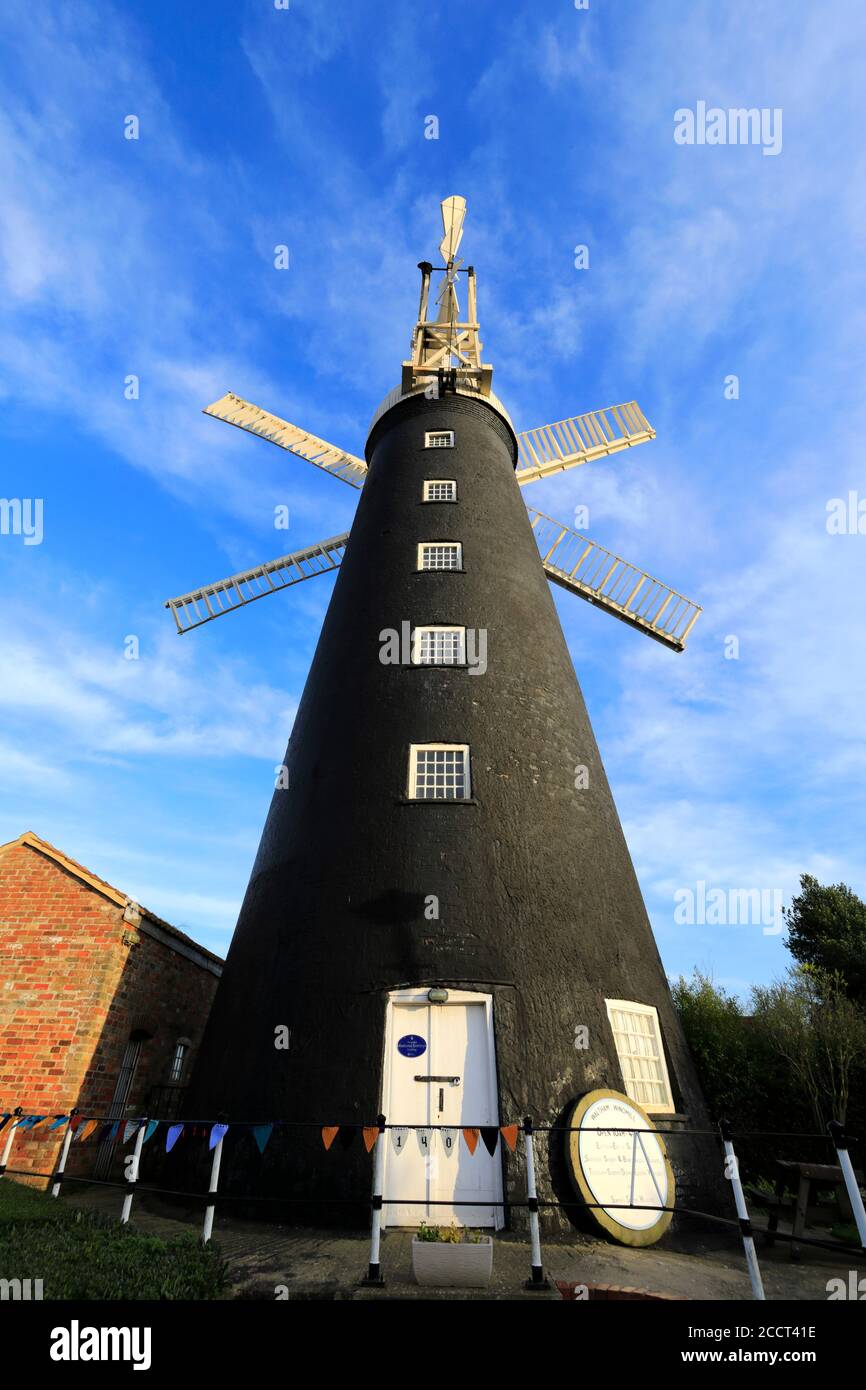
x: 619, y: 1165
x: 411, y: 1045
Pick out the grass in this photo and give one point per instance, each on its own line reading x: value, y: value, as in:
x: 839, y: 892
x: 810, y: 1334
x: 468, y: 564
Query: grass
x: 846, y: 1232
x: 80, y: 1254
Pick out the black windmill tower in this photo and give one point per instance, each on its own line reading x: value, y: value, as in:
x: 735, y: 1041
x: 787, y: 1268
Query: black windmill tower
x: 442, y: 897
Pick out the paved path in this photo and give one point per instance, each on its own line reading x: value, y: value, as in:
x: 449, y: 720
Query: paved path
x: 268, y: 1261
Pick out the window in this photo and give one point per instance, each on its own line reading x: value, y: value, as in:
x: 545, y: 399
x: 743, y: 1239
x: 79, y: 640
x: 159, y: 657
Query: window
x: 638, y: 1040
x: 439, y: 772
x: 440, y: 490
x: 439, y: 439
x: 440, y: 555
x: 439, y: 646
x: 178, y: 1061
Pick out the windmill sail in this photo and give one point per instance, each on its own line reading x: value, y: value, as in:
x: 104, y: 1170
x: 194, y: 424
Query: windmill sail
x: 553, y: 448
x: 203, y: 605
x: 604, y: 579
x: 236, y: 411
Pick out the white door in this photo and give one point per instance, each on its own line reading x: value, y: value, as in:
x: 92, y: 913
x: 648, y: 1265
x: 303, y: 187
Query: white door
x: 440, y: 1070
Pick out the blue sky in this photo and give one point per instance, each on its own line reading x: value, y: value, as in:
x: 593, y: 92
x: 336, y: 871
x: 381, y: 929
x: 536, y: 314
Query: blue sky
x: 305, y: 127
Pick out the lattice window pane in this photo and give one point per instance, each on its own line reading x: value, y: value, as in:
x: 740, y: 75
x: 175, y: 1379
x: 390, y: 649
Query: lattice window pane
x: 440, y: 774
x: 440, y: 555
x: 439, y: 439
x: 440, y: 490
x: 439, y: 646
x: 639, y: 1048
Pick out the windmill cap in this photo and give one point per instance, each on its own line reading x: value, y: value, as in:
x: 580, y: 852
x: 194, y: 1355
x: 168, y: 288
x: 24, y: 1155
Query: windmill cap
x: 398, y: 394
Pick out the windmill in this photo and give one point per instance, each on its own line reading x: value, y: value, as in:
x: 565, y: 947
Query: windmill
x: 442, y: 898
x: 446, y: 354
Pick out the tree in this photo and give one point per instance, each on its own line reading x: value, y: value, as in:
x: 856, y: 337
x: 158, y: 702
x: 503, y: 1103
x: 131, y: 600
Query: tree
x: 819, y: 1032
x: 827, y: 929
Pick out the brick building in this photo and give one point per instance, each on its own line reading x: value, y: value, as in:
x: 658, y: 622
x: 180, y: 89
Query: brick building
x: 102, y: 1004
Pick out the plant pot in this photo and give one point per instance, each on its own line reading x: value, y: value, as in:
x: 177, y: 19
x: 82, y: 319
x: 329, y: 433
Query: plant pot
x: 449, y: 1265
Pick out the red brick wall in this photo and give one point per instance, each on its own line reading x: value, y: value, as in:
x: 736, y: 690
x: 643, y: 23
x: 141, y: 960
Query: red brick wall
x: 75, y: 981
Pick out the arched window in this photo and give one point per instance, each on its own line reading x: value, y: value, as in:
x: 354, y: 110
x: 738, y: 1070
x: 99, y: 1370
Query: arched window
x: 178, y: 1061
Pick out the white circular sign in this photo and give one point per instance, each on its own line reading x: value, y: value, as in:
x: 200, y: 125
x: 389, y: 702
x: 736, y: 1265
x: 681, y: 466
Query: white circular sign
x: 620, y: 1167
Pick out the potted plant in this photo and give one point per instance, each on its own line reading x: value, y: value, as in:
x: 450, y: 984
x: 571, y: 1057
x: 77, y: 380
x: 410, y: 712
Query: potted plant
x: 451, y: 1257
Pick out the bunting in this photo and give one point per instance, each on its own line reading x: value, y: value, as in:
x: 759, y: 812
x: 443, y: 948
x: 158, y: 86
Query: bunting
x: 449, y: 1137
x: 448, y: 1141
x: 217, y: 1133
x: 509, y: 1134
x: 261, y: 1134
x: 490, y: 1135
x: 399, y: 1137
x: 471, y: 1138
x: 31, y: 1121
x: 174, y: 1133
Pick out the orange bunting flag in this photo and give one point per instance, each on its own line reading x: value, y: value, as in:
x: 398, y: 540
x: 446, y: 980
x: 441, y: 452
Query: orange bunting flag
x: 471, y: 1136
x: 329, y: 1134
x: 371, y: 1134
x: 87, y: 1130
x: 509, y: 1134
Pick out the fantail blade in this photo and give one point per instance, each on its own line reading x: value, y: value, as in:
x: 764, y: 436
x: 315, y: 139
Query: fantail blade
x: 453, y: 217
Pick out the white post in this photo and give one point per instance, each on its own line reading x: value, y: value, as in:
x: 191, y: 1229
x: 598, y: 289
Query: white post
x: 536, y: 1279
x: 64, y: 1154
x: 840, y: 1143
x: 207, y: 1228
x: 374, y: 1272
x: 133, y: 1177
x: 7, y: 1147
x: 732, y: 1171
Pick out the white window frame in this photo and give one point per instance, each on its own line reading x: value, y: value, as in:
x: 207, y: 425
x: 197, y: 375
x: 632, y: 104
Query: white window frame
x: 645, y: 1011
x: 416, y: 748
x: 447, y: 436
x: 418, y: 633
x: 439, y: 482
x: 432, y: 569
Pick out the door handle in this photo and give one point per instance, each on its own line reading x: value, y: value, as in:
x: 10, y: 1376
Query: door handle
x: 441, y: 1099
x: 452, y: 1080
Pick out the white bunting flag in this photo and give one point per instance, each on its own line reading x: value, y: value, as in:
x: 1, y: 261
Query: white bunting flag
x: 425, y: 1141
x: 448, y: 1140
x: 399, y: 1138
x: 129, y: 1129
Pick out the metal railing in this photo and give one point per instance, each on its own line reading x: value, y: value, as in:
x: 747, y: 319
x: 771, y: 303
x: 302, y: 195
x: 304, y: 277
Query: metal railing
x: 143, y: 1127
